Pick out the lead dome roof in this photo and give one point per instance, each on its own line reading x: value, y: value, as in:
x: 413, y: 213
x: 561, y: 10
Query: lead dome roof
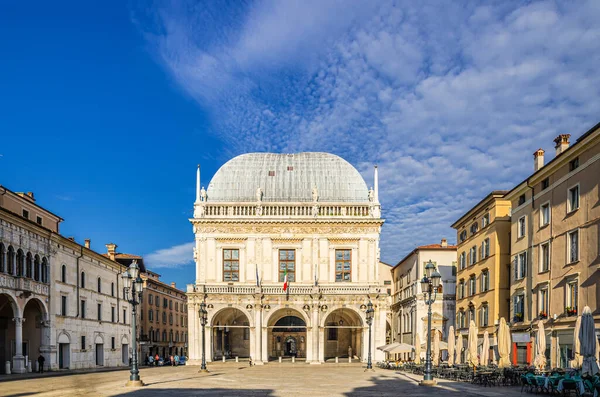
x: 287, y: 178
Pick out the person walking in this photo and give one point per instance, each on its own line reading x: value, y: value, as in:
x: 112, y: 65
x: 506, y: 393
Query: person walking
x: 156, y: 358
x: 176, y: 360
x: 150, y: 360
x: 41, y: 359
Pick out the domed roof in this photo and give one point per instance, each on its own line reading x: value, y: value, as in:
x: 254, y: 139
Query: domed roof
x: 287, y: 178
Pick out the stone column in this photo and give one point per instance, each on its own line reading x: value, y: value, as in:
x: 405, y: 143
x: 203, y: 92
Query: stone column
x: 19, y: 359
x: 258, y: 357
x: 315, y: 357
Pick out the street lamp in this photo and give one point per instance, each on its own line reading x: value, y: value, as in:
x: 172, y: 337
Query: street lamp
x: 429, y: 286
x: 369, y: 315
x: 132, y: 287
x: 203, y: 318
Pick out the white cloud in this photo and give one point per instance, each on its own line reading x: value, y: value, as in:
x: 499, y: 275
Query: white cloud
x: 449, y: 99
x: 175, y: 256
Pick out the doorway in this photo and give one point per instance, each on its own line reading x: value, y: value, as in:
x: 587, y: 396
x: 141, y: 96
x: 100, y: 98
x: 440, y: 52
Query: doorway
x: 125, y: 354
x: 99, y: 354
x: 290, y: 346
x: 64, y: 355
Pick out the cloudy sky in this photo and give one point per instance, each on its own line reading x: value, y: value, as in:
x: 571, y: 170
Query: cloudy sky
x: 450, y: 99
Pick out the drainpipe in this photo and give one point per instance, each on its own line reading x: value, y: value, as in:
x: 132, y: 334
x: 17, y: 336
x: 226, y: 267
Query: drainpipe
x: 78, y: 281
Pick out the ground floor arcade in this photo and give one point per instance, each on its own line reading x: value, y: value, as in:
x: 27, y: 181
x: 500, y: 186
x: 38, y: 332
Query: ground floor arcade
x: 302, y: 328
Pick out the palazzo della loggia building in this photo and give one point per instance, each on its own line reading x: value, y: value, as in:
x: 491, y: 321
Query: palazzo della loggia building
x: 310, y: 214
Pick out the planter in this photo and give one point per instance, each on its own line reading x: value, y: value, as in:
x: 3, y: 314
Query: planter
x: 571, y: 311
x: 518, y: 317
x: 543, y: 315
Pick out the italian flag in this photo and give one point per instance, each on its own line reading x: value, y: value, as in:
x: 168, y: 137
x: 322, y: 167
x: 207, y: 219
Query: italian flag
x: 285, y: 281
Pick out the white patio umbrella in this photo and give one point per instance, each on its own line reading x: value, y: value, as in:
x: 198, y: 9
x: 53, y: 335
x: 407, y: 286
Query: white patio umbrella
x: 588, y: 341
x: 485, y: 349
x: 540, y: 344
x: 385, y: 346
x: 417, y: 349
x: 472, y: 344
x: 495, y: 350
x: 451, y: 346
x: 436, y: 348
x: 459, y: 349
x: 400, y: 348
x: 577, y: 359
x: 503, y: 344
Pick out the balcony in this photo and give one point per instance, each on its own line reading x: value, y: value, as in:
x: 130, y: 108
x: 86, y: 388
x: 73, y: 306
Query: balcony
x: 23, y: 284
x: 286, y: 210
x: 337, y: 289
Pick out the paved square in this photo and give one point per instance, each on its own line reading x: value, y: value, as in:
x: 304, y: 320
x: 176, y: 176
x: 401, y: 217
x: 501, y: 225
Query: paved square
x: 232, y: 379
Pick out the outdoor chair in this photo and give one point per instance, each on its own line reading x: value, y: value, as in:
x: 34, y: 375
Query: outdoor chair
x: 569, y: 386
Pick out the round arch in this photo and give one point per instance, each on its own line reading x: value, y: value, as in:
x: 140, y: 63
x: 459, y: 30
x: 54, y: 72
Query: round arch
x: 124, y: 340
x: 35, y: 314
x: 343, y: 329
x: 281, y: 312
x: 230, y: 328
x: 42, y: 306
x: 63, y: 337
x: 9, y: 309
x: 99, y: 339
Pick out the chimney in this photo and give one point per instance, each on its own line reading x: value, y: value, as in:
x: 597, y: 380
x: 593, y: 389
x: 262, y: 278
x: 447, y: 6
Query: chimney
x: 173, y: 285
x: 112, y: 250
x: 444, y: 243
x: 538, y: 159
x: 562, y: 143
x: 87, y: 243
x: 30, y: 194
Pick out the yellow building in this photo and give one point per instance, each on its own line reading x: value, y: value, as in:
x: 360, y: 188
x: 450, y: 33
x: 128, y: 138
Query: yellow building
x: 555, y: 247
x: 482, y: 282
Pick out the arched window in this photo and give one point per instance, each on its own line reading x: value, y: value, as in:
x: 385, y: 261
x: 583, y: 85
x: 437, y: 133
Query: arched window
x: 36, y: 268
x: 44, y: 270
x: 171, y: 318
x: 176, y: 336
x: 99, y: 284
x: 82, y: 283
x: 112, y: 289
x: 164, y: 317
x: 20, y: 263
x: 29, y: 265
x: 10, y: 260
x: 171, y: 336
x: 63, y: 273
x: 150, y: 315
x: 164, y: 336
x: 2, y: 258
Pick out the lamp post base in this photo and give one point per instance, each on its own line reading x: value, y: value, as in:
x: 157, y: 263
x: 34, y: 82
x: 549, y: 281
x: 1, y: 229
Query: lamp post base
x: 134, y: 383
x: 200, y: 371
x: 428, y: 382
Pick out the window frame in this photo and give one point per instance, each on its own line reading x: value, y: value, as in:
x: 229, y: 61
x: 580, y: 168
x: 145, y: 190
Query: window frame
x: 543, y: 300
x: 343, y: 272
x: 63, y: 305
x: 572, y: 288
x: 63, y: 273
x: 545, y: 184
x: 544, y: 267
x: 485, y: 220
x: 99, y: 314
x: 82, y: 280
x: 462, y: 260
x: 291, y: 273
x: 570, y: 208
x: 231, y: 262
x: 570, y: 233
x: 547, y: 221
x: 485, y: 281
x: 522, y: 230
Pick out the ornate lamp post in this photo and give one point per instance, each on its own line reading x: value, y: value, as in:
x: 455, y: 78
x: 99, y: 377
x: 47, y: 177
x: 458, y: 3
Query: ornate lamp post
x: 369, y: 315
x: 203, y: 318
x: 429, y: 286
x: 132, y: 286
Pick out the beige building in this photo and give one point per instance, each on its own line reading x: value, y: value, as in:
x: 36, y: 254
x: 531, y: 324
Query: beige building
x: 162, y: 315
x: 555, y: 224
x: 409, y: 311
x: 57, y: 298
x: 483, y: 254
x: 307, y: 215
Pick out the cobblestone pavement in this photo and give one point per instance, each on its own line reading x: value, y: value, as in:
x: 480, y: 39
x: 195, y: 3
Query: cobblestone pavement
x: 232, y: 379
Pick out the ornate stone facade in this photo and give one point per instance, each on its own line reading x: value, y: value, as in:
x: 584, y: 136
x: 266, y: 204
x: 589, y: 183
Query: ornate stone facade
x: 310, y: 217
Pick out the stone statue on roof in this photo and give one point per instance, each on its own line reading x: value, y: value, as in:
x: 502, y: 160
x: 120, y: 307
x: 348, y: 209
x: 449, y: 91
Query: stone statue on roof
x: 371, y: 194
x: 202, y: 194
x: 259, y: 194
x: 315, y: 194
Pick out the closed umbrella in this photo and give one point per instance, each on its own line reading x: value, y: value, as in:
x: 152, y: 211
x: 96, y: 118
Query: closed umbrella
x: 451, y: 346
x: 494, y: 350
x: 459, y: 349
x: 472, y: 344
x: 436, y: 348
x: 587, y: 341
x: 540, y: 343
x: 417, y: 349
x: 503, y: 344
x: 485, y: 349
x: 577, y: 359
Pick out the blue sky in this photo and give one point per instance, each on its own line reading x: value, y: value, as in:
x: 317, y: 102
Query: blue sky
x: 107, y: 107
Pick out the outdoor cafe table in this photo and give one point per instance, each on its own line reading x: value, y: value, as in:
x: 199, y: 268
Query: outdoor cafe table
x: 483, y: 377
x: 578, y: 381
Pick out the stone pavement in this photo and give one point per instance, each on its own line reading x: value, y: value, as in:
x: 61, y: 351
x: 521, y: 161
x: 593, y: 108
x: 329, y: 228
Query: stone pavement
x: 231, y: 379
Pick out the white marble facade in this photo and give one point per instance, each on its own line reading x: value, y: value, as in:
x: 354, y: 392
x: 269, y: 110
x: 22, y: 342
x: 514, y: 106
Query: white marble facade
x: 311, y: 213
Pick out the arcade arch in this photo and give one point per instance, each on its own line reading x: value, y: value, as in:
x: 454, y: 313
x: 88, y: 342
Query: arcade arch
x: 8, y: 311
x: 286, y: 334
x: 343, y: 334
x: 230, y: 334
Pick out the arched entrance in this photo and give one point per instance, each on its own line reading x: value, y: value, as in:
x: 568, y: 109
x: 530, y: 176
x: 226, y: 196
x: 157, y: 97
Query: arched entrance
x: 287, y: 335
x: 64, y: 351
x: 7, y: 329
x: 343, y: 334
x: 32, y: 330
x: 230, y: 334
